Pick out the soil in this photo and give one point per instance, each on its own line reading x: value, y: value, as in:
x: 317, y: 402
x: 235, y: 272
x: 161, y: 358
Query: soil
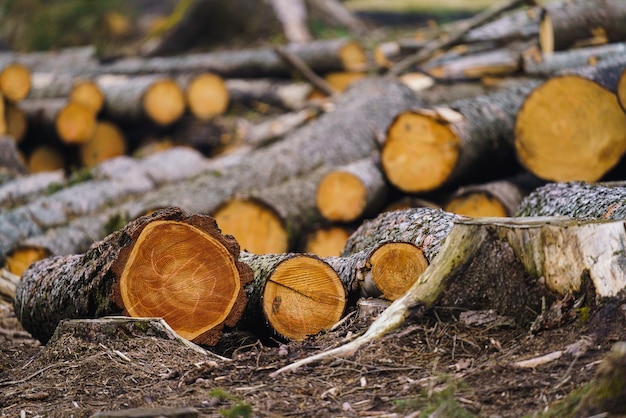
x: 442, y: 364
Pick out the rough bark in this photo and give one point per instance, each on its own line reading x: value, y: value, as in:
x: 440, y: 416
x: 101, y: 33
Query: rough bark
x: 427, y: 228
x: 99, y: 283
x: 577, y: 200
x: 11, y: 161
x: 426, y: 149
x: 516, y: 25
x: 22, y: 189
x: 571, y: 127
x: 563, y: 23
x: 55, y: 61
x: 292, y: 295
x: 321, y: 56
x: 352, y: 191
x: 503, y: 264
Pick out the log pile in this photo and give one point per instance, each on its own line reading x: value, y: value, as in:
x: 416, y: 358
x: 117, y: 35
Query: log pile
x: 505, y: 102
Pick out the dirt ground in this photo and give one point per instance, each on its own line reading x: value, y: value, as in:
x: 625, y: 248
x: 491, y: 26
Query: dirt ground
x: 434, y: 366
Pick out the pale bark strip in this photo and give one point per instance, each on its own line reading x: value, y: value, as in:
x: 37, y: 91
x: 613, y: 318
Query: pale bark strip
x: 322, y: 56
x: 571, y: 59
x: 22, y: 189
x: 276, y: 92
x: 292, y: 15
x: 427, y: 228
x: 562, y: 251
x: 577, y: 200
x: 516, y: 25
x: 55, y: 61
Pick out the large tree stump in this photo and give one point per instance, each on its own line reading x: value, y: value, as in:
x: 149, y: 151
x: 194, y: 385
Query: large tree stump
x: 169, y: 264
x: 431, y: 147
x: 292, y: 295
x: 572, y: 127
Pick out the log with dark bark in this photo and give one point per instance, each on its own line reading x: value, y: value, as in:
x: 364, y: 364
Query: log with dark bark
x: 206, y: 94
x: 76, y: 89
x: 134, y: 99
x: 11, y: 162
x: 321, y: 56
x: 492, y: 263
x: 563, y: 23
x: 275, y: 92
x: 71, y: 122
x: 571, y: 127
x: 577, y: 200
x: 352, y: 191
x: 169, y: 264
x: 292, y: 295
x: 428, y: 148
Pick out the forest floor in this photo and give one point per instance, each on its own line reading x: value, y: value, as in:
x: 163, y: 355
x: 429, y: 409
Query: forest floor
x: 434, y: 366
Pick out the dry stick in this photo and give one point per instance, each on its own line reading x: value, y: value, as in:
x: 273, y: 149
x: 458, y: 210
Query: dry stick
x: 299, y: 64
x: 455, y: 35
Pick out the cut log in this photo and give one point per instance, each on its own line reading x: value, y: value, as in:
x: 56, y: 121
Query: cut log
x: 547, y: 65
x: 349, y: 192
x: 386, y: 270
x: 494, y: 262
x: 58, y: 60
x: 516, y: 25
x: 14, y: 81
x: 168, y: 264
x: 46, y: 158
x: 496, y: 198
x: 20, y: 259
x: 577, y: 200
x: 24, y: 188
x: 272, y: 219
x: 572, y: 127
x: 107, y: 142
x: 563, y: 23
x: 80, y: 90
x: 339, y: 81
x: 327, y: 241
x: 134, y: 99
x: 292, y: 295
x: 206, y: 95
x: 275, y: 92
x: 3, y: 117
x: 321, y: 56
x: 426, y: 149
x: 293, y: 18
x: 498, y: 62
x: 73, y: 123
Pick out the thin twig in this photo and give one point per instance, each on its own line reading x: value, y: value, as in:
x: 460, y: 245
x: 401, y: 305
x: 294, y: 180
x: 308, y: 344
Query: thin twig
x: 306, y: 71
x: 454, y: 36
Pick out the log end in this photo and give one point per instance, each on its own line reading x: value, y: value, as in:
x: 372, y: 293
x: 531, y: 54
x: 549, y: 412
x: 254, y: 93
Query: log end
x: 207, y: 96
x: 341, y: 197
x: 75, y: 123
x: 476, y: 205
x: 15, y: 81
x: 88, y: 94
x: 164, y: 102
x: 353, y: 57
x: 257, y: 228
x: 45, y: 158
x: 420, y: 152
x: 22, y: 257
x: 107, y: 142
x: 327, y: 242
x: 570, y: 128
x: 395, y: 267
x: 303, y: 297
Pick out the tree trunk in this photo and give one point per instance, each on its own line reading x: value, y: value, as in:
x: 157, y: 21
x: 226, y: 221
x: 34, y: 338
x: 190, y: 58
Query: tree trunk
x: 428, y: 148
x: 292, y: 295
x: 577, y: 200
x: 134, y: 99
x: 23, y: 189
x: 76, y: 89
x: 572, y: 127
x: 132, y: 271
x: 516, y: 25
x: 564, y: 23
x: 495, y: 62
x: 321, y: 56
x: 275, y: 92
x: 350, y: 192
x: 206, y: 94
